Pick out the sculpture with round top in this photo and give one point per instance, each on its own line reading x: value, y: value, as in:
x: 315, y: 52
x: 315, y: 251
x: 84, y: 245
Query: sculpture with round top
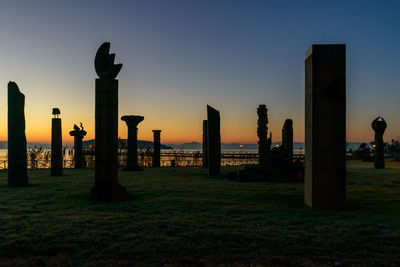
x: 132, y: 123
x: 107, y: 187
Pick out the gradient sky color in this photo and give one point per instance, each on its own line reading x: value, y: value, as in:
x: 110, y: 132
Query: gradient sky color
x: 179, y: 56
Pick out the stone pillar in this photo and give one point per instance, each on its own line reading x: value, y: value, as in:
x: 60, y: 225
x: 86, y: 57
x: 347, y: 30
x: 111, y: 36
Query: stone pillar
x: 287, y: 138
x: 213, y: 141
x: 205, y: 145
x: 78, y: 135
x: 56, y: 145
x: 379, y: 126
x: 107, y: 187
x: 17, y: 154
x: 264, y: 143
x: 325, y: 126
x: 132, y: 123
x: 157, y: 148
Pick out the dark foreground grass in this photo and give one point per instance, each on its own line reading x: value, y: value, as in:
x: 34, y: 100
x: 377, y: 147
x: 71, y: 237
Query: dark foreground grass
x: 180, y: 216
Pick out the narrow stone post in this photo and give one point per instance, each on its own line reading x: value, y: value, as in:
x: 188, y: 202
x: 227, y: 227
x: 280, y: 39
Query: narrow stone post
x: 56, y: 145
x: 379, y: 127
x: 107, y: 187
x: 287, y: 138
x: 157, y: 148
x: 213, y: 141
x: 78, y: 135
x: 17, y: 154
x: 132, y: 123
x: 205, y: 145
x: 325, y: 126
x: 264, y: 143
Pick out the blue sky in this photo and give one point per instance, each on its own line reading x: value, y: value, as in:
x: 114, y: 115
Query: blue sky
x: 179, y: 56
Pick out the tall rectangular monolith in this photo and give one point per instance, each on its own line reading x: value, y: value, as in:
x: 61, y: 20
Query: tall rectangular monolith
x: 205, y: 145
x: 213, y: 141
x: 56, y: 145
x: 17, y: 154
x: 325, y: 126
x: 287, y: 138
x: 156, y: 148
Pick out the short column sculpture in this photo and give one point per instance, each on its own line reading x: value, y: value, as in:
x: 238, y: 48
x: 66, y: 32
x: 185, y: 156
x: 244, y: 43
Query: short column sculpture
x: 379, y: 126
x: 325, y: 126
x: 56, y: 145
x: 287, y: 138
x: 213, y: 141
x: 205, y: 146
x: 78, y: 135
x: 132, y: 123
x: 17, y: 154
x: 107, y: 187
x: 157, y: 148
x: 264, y: 143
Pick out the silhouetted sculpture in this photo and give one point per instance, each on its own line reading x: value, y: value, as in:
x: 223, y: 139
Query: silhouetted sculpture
x: 205, y: 146
x: 132, y: 123
x: 325, y: 126
x: 287, y: 138
x: 78, y: 134
x: 264, y: 143
x: 379, y: 127
x: 107, y: 187
x: 213, y: 141
x: 157, y: 148
x: 17, y: 154
x: 56, y: 145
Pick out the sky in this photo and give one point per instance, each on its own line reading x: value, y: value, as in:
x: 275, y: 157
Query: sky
x: 179, y: 56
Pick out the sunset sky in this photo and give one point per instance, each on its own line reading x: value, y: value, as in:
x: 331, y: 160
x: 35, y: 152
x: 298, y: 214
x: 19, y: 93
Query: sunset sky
x: 179, y: 56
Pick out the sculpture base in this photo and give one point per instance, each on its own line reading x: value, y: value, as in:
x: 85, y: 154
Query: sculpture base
x: 110, y: 193
x: 132, y: 168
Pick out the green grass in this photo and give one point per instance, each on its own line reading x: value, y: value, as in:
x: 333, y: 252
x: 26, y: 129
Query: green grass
x: 180, y: 216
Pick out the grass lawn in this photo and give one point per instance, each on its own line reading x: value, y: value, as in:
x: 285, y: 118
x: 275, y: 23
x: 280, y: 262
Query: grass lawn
x: 180, y: 216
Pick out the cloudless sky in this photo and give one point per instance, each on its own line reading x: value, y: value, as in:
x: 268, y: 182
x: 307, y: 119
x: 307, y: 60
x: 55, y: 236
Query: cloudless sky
x: 178, y: 56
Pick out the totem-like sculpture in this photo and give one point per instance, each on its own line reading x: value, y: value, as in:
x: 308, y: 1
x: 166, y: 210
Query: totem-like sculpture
x: 56, y: 145
x: 157, y: 148
x: 213, y: 141
x: 132, y: 123
x: 205, y: 146
x: 107, y: 187
x: 17, y: 154
x: 379, y: 126
x: 287, y: 138
x: 264, y: 143
x: 78, y: 134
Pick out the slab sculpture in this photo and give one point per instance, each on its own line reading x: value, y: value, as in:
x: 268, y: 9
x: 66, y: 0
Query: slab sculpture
x: 205, y: 146
x: 325, y: 126
x: 264, y: 143
x: 213, y: 141
x: 132, y: 123
x: 17, y: 154
x: 56, y: 145
x: 157, y: 148
x: 287, y: 138
x: 107, y: 187
x: 379, y: 126
x: 78, y: 134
